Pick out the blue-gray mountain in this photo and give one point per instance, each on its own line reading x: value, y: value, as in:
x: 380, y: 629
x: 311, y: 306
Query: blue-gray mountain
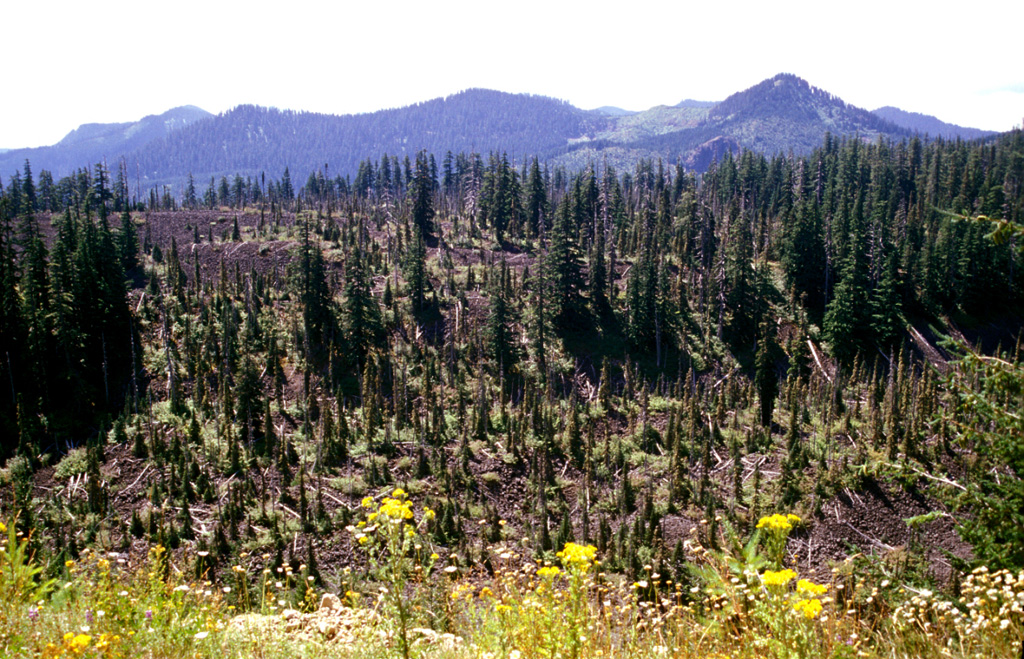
x: 92, y: 143
x: 782, y: 114
x: 925, y: 124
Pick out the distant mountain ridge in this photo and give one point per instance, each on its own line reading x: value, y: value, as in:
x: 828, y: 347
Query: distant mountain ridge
x: 926, y: 124
x: 780, y: 115
x: 92, y: 143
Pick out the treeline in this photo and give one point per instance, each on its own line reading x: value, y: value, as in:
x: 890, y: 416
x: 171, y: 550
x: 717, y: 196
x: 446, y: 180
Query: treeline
x: 863, y: 235
x: 68, y: 341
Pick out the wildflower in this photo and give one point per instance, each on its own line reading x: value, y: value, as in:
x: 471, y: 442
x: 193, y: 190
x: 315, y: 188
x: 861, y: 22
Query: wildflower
x: 810, y: 587
x: 549, y: 572
x: 399, y: 493
x: 69, y: 564
x: 396, y: 510
x: 33, y: 614
x: 149, y: 615
x: 88, y: 616
x: 3, y: 528
x: 79, y: 643
x: 434, y: 557
x: 778, y: 522
x: 780, y: 578
x: 574, y: 555
x: 367, y: 502
x: 809, y: 608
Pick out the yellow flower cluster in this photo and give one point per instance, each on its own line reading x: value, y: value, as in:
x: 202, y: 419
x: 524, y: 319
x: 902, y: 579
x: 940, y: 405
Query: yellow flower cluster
x: 778, y: 522
x: 396, y: 509
x: 809, y: 608
x: 107, y: 644
x: 810, y: 587
x: 549, y: 572
x: 577, y: 556
x: 73, y: 645
x: 779, y: 578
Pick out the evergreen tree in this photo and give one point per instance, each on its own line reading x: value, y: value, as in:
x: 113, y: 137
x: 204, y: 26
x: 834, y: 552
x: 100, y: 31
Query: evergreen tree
x: 500, y: 336
x: 423, y: 197
x: 536, y: 200
x: 765, y: 377
x: 128, y: 243
x: 364, y: 328
x: 846, y: 319
x: 415, y: 271
x: 309, y: 278
x: 565, y: 273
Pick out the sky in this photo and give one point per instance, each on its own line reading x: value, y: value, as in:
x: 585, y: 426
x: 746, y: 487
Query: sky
x: 69, y: 63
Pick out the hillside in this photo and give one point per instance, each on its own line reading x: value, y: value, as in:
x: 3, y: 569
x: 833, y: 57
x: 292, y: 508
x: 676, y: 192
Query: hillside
x: 781, y: 115
x: 924, y: 124
x: 249, y: 139
x: 652, y: 366
x: 92, y: 143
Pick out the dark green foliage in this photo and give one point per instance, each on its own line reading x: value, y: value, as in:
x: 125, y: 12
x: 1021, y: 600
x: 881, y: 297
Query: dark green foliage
x: 565, y: 283
x: 310, y: 282
x: 361, y: 316
x: 990, y: 391
x: 415, y: 271
x: 423, y: 186
x: 500, y: 338
x: 847, y: 320
x: 765, y: 377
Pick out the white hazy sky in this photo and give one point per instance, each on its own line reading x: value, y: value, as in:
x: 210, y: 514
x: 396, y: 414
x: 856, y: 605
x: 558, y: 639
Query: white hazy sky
x: 68, y: 63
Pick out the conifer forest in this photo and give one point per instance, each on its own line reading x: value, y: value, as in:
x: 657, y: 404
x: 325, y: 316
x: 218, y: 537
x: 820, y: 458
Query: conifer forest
x: 630, y: 358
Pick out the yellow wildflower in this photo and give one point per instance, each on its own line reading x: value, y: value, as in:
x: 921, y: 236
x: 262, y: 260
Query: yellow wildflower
x: 575, y: 555
x: 79, y: 643
x: 367, y: 502
x: 810, y: 587
x: 809, y: 608
x: 396, y: 509
x: 548, y: 572
x: 3, y: 528
x: 780, y: 578
x: 399, y: 493
x: 778, y: 522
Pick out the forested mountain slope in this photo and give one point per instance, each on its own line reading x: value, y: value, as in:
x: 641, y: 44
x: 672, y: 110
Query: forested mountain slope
x: 924, y: 124
x: 780, y: 115
x: 92, y: 143
x: 537, y: 355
